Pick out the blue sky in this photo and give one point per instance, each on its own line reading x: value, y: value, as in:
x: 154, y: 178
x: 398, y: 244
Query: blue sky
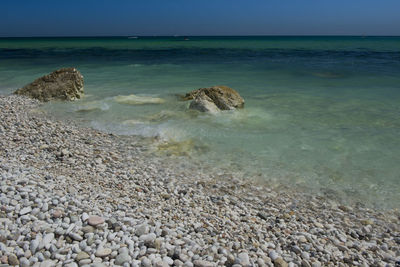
x: 198, y: 17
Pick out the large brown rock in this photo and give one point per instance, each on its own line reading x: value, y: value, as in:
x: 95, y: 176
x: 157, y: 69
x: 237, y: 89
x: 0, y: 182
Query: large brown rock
x: 223, y: 97
x: 203, y: 103
x: 62, y: 84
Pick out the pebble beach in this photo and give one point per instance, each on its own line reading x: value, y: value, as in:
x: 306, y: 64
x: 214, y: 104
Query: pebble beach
x: 74, y: 196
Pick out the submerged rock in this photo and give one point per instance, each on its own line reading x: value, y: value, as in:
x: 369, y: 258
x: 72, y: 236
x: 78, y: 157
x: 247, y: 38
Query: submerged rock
x: 220, y: 97
x: 180, y: 148
x: 62, y: 84
x: 91, y: 106
x: 138, y: 100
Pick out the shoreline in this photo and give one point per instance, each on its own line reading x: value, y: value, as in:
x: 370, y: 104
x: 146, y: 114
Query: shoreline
x: 56, y: 177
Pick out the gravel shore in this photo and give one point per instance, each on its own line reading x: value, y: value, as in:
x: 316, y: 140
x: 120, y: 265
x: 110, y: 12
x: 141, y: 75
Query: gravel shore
x: 72, y: 196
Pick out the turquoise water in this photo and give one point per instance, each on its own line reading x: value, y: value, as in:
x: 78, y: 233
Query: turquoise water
x: 322, y: 113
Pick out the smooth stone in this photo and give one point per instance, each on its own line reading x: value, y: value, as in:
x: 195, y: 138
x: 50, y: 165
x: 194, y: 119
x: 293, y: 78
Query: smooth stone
x: 82, y: 256
x: 4, y: 259
x: 47, y: 263
x: 88, y: 229
x: 95, y: 220
x: 57, y: 213
x: 34, y: 245
x: 85, y: 262
x: 75, y: 236
x: 146, y: 262
x: 302, y: 239
x: 203, y: 263
x: 142, y: 230
x: 273, y: 255
x: 160, y: 263
x: 46, y: 241
x: 122, y: 258
x: 103, y: 252
x: 168, y: 260
x: 148, y: 238
x: 13, y: 260
x: 23, y: 262
x: 25, y: 210
x: 85, y: 216
x: 279, y: 262
x: 243, y: 259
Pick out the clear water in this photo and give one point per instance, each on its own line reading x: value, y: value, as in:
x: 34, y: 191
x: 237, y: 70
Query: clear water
x: 321, y: 113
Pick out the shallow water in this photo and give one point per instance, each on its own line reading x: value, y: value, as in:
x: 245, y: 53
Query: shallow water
x: 321, y: 113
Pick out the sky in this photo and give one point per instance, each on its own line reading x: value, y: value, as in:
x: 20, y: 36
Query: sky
x: 21, y: 18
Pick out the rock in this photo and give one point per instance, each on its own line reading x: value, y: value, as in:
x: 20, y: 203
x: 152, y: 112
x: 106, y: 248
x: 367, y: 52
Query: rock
x: 47, y: 263
x: 263, y: 215
x: 223, y: 97
x: 149, y: 238
x: 279, y: 262
x: 160, y: 263
x: 46, y: 241
x: 34, y: 245
x: 305, y: 263
x: 82, y: 256
x: 4, y: 259
x: 84, y: 262
x: 122, y: 258
x: 75, y: 236
x: 25, y: 210
x: 204, y: 104
x: 168, y: 260
x: 302, y: 239
x: 85, y: 216
x: 179, y: 148
x: 146, y: 262
x: 88, y: 229
x: 62, y: 84
x: 95, y: 220
x: 103, y: 252
x: 203, y: 263
x: 23, y: 262
x: 273, y: 255
x: 13, y: 260
x: 142, y: 229
x: 57, y: 213
x: 138, y: 100
x: 243, y: 259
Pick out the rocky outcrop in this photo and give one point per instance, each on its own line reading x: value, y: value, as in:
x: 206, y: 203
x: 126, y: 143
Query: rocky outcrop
x: 62, y: 84
x: 203, y: 103
x: 214, y: 98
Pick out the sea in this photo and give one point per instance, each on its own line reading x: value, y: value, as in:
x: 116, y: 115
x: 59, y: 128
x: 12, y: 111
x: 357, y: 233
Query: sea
x: 322, y: 113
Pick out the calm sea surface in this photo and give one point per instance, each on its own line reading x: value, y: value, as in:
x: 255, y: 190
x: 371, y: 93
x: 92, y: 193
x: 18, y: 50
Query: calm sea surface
x: 321, y: 113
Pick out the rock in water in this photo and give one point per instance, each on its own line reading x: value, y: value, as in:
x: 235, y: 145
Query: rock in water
x: 204, y: 104
x: 223, y: 97
x: 62, y: 84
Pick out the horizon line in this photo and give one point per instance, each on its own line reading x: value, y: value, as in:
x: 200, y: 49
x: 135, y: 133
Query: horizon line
x: 176, y: 35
